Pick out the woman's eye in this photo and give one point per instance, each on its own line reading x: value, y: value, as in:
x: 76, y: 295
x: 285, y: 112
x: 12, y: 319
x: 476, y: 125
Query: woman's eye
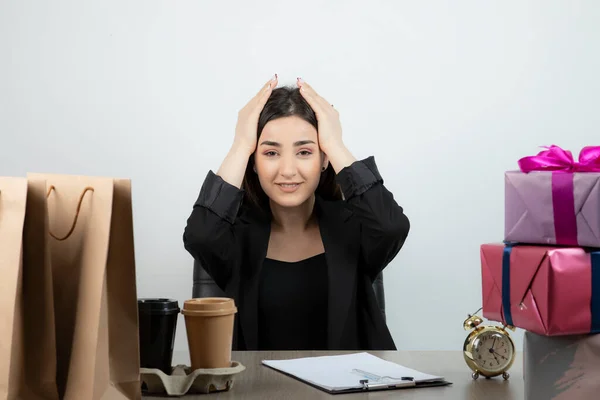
x: 305, y: 153
x: 270, y: 154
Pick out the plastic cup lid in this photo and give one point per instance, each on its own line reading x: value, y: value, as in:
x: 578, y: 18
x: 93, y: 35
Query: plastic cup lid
x: 158, y: 305
x: 209, y: 306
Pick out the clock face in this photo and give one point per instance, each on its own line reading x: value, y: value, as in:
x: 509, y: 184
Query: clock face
x: 492, y: 351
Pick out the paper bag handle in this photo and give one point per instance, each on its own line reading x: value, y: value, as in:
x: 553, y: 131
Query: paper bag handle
x: 76, y: 213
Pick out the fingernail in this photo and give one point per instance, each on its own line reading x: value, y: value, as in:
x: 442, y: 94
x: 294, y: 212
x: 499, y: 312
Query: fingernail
x: 300, y: 80
x: 274, y: 77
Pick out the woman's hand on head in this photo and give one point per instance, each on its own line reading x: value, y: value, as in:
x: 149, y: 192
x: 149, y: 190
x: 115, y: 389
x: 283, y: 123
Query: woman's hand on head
x: 247, y: 123
x: 329, y: 125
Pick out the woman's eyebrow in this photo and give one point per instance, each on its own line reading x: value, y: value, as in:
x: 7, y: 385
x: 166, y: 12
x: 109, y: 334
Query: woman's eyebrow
x: 270, y: 143
x: 303, y: 142
x: 275, y: 144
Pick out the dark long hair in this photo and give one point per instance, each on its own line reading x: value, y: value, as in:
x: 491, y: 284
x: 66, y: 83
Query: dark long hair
x: 285, y: 102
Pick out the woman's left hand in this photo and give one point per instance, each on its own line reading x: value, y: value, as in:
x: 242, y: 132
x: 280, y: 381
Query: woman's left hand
x: 329, y: 125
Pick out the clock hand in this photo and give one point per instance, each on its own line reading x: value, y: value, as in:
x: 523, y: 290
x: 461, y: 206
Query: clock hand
x: 494, y: 352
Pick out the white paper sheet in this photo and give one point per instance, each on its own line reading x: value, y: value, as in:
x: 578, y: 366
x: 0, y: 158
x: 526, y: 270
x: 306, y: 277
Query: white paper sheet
x: 343, y: 372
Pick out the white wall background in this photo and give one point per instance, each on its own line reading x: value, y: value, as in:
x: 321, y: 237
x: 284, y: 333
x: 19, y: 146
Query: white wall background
x: 446, y: 94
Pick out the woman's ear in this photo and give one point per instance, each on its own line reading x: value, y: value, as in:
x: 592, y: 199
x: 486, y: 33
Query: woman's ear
x: 252, y: 161
x: 325, y: 163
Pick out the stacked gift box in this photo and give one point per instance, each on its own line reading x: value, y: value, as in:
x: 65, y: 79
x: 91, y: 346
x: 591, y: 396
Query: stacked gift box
x: 545, y: 277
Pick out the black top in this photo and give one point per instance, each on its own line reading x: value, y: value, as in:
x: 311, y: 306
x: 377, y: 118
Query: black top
x: 292, y: 305
x: 361, y: 234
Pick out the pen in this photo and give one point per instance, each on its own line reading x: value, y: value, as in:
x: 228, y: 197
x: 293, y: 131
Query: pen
x: 392, y: 384
x: 374, y: 377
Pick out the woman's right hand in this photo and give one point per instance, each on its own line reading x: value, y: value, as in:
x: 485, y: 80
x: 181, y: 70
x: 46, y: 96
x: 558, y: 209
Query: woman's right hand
x: 247, y: 124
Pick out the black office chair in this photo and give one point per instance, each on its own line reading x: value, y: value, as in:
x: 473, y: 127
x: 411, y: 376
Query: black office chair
x: 204, y: 286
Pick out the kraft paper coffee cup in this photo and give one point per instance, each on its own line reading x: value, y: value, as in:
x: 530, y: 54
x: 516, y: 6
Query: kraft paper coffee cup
x: 209, y: 326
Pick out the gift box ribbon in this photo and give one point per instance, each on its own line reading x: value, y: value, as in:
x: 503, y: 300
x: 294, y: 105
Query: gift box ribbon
x: 562, y: 165
x: 595, y: 300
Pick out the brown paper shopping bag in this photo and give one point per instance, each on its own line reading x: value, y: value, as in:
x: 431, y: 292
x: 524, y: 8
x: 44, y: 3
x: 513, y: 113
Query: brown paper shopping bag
x: 13, y: 198
x: 93, y: 266
x: 27, y: 336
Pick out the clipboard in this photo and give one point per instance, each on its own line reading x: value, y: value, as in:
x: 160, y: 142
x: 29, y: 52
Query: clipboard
x: 350, y: 373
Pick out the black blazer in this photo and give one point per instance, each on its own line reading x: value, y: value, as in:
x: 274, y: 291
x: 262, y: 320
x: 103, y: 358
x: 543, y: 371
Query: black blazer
x: 361, y: 235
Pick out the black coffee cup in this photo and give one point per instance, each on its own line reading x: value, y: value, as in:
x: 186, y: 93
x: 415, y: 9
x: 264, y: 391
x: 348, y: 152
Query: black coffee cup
x: 157, y: 325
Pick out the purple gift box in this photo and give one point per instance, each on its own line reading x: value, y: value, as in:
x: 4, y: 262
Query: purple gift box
x: 554, y: 200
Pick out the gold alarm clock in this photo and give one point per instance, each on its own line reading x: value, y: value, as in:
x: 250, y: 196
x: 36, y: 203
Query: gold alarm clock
x: 488, y: 350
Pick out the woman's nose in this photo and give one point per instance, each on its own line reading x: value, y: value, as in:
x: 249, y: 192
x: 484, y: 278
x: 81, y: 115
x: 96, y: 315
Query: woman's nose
x: 287, y: 167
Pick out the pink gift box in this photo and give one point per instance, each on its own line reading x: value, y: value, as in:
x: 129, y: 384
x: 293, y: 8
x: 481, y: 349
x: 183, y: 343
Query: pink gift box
x: 543, y: 289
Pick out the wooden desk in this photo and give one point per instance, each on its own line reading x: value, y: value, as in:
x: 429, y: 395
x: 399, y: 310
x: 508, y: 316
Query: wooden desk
x: 260, y: 382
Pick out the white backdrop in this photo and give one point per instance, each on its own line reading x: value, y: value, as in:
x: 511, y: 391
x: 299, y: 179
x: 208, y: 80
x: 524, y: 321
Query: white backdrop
x: 446, y: 94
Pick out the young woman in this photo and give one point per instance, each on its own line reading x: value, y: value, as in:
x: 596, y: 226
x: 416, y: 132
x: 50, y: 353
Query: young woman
x: 295, y: 229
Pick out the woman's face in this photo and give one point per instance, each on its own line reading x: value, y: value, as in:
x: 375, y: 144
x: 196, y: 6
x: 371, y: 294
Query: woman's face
x: 288, y: 161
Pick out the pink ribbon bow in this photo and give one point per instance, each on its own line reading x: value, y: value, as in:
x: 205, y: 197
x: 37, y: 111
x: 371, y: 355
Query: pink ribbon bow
x: 557, y: 159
